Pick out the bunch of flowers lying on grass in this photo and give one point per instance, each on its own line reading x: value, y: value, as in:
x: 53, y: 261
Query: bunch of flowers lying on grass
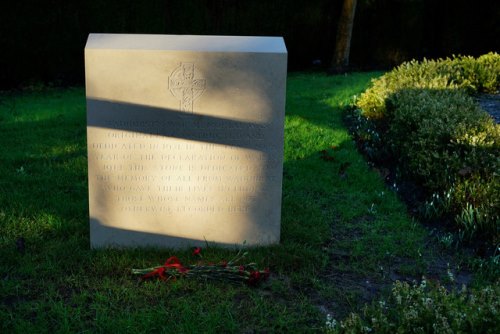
x: 231, y: 271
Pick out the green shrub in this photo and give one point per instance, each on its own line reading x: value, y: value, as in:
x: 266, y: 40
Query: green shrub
x: 441, y: 140
x: 420, y: 118
x: 489, y: 73
x: 430, y: 129
x: 462, y: 72
x: 426, y: 308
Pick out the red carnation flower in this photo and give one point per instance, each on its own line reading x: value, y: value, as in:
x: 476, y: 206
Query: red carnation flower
x: 254, y: 278
x: 197, y: 251
x: 223, y: 270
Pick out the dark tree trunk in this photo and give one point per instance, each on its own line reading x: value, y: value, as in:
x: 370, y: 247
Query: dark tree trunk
x: 340, y: 61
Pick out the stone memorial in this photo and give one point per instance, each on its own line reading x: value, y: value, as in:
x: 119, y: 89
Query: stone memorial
x: 185, y: 139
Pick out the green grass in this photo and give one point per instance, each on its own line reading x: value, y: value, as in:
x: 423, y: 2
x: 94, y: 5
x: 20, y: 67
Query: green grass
x: 345, y: 236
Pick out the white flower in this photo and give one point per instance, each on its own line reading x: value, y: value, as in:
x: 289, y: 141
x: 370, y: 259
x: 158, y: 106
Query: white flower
x: 330, y: 323
x: 451, y: 277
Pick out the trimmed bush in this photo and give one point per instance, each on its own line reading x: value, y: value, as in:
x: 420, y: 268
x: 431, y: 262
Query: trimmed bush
x: 426, y: 308
x: 463, y: 72
x: 420, y: 118
x: 431, y: 129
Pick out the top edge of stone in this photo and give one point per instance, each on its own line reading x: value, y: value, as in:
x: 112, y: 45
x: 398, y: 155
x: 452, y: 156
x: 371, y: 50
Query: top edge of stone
x: 199, y: 43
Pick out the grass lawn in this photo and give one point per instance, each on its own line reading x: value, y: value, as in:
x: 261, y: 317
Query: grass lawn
x: 345, y: 236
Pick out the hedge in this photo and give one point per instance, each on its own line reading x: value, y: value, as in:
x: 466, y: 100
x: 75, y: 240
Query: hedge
x: 422, y: 118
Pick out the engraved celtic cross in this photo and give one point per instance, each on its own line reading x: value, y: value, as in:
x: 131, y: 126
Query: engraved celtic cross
x: 186, y: 84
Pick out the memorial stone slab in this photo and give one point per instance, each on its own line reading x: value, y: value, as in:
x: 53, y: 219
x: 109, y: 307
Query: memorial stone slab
x: 185, y: 139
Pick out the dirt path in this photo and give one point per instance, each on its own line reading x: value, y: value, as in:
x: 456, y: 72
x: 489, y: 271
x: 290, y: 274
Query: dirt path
x: 491, y: 104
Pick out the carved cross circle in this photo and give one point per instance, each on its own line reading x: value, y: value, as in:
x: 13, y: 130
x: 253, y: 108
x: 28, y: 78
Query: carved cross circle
x: 186, y: 84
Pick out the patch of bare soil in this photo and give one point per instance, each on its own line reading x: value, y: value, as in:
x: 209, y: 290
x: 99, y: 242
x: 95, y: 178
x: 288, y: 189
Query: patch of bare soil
x: 353, y: 289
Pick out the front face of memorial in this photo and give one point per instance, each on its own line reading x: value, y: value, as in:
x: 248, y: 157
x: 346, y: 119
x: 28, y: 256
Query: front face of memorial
x: 185, y: 139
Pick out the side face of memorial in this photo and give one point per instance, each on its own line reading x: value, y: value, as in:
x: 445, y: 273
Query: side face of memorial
x: 185, y: 139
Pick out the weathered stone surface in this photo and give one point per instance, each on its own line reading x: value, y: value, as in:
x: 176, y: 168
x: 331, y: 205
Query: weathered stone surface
x: 185, y: 139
